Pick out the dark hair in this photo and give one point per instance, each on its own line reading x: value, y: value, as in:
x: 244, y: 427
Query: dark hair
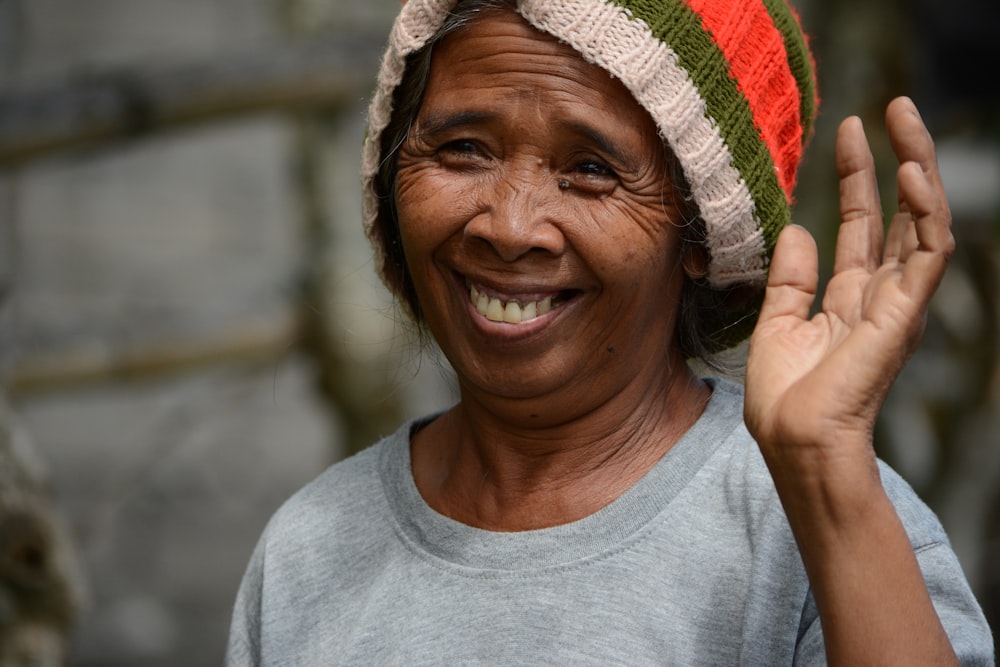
x: 706, y: 316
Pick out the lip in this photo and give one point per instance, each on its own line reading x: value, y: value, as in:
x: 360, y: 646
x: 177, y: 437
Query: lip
x: 503, y: 330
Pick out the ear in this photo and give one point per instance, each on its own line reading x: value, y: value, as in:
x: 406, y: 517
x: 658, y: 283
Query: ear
x: 694, y: 260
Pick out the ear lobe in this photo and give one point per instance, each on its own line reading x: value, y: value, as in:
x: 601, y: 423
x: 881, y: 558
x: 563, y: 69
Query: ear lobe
x: 694, y: 261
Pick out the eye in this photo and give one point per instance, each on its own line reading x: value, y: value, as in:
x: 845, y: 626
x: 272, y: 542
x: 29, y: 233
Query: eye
x: 594, y: 168
x: 462, y: 154
x: 460, y: 146
x: 593, y: 177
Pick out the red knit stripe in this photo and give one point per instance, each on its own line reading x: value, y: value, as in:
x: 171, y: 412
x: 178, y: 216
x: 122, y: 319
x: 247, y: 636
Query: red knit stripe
x: 755, y: 50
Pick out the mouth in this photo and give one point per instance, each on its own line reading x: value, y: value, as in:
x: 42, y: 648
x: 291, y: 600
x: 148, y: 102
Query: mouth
x: 509, y: 309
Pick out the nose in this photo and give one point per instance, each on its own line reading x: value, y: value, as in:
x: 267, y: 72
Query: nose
x: 520, y: 216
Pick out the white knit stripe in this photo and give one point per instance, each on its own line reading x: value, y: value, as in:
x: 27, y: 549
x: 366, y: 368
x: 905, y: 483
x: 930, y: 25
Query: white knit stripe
x: 607, y: 36
x: 739, y: 259
x: 416, y: 24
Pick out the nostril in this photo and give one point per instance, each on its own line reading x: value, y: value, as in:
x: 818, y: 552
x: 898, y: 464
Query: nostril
x: 513, y: 231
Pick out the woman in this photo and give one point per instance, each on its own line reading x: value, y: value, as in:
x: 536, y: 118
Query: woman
x: 574, y: 196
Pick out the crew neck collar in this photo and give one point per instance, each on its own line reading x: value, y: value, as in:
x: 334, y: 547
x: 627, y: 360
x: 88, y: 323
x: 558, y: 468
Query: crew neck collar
x: 449, y: 542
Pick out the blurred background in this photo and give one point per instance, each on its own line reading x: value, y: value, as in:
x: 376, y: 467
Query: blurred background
x: 191, y: 328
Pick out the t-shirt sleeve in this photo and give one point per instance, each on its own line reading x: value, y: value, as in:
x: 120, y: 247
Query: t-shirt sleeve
x: 243, y: 648
x: 956, y: 606
x: 947, y: 584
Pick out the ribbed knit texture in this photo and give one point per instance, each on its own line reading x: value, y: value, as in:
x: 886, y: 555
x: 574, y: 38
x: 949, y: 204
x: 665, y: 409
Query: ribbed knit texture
x: 730, y: 85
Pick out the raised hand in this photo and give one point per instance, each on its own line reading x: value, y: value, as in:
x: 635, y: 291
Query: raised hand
x: 814, y: 387
x: 819, y: 382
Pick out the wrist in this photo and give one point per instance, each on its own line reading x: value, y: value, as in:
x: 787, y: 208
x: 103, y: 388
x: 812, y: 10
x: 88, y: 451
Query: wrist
x: 826, y: 486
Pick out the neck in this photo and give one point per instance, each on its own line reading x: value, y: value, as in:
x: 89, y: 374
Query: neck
x: 508, y: 465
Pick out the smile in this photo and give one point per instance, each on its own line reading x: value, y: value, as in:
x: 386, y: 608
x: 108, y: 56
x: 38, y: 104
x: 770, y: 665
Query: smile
x: 510, y: 311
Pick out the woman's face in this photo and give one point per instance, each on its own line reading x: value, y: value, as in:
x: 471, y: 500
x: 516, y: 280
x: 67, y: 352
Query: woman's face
x: 536, y: 219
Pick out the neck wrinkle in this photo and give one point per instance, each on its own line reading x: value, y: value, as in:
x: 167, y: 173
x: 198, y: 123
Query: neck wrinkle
x: 494, y: 473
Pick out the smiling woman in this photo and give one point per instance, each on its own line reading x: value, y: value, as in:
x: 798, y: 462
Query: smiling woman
x: 574, y: 197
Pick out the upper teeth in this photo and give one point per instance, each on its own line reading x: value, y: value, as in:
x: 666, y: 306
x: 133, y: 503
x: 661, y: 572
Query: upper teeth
x: 512, y: 312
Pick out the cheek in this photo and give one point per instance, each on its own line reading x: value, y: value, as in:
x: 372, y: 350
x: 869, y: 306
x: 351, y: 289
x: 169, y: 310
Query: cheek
x: 431, y: 203
x: 431, y: 213
x: 632, y: 238
x: 418, y: 207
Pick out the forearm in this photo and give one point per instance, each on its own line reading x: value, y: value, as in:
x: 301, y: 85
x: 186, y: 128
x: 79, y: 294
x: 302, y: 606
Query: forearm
x: 873, y: 603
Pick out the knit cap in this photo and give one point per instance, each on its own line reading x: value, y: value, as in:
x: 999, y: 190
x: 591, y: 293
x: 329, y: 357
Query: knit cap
x: 729, y: 83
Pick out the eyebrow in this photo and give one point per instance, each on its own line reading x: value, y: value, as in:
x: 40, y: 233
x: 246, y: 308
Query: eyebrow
x: 612, y: 148
x: 436, y: 123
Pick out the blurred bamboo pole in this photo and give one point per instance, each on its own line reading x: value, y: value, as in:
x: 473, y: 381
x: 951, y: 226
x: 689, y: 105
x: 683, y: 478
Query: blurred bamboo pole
x: 361, y: 397
x: 243, y: 343
x: 124, y: 103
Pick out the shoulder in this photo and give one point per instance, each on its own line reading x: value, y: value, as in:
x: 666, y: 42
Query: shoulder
x: 315, y: 547
x: 748, y: 487
x: 953, y: 599
x: 732, y: 484
x: 345, y: 504
x: 738, y: 470
x: 739, y: 461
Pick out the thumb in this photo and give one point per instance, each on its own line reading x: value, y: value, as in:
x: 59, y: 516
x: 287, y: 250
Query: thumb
x: 793, y: 278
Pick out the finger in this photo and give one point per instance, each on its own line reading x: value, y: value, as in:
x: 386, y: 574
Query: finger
x: 912, y: 142
x: 901, y: 240
x: 793, y: 277
x: 859, y: 239
x: 932, y: 225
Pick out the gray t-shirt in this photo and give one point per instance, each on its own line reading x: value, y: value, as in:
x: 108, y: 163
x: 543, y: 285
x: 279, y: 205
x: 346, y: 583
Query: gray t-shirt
x: 694, y: 565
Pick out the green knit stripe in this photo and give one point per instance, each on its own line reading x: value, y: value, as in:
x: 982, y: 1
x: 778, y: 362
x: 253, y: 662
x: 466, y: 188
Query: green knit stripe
x: 681, y: 29
x: 799, y: 59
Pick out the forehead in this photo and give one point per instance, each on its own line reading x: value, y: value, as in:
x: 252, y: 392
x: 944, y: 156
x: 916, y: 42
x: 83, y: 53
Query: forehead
x: 498, y: 56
